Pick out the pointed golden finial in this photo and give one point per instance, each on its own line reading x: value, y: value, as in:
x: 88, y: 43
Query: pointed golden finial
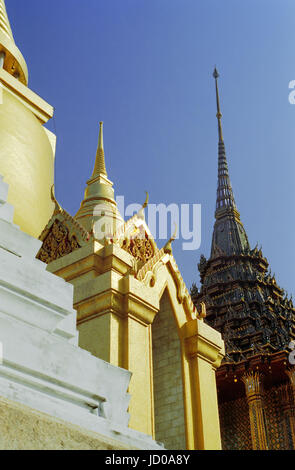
x: 140, y: 213
x: 218, y: 115
x: 203, y: 312
x: 145, y: 204
x: 13, y: 61
x: 99, y: 167
x: 57, y: 208
x: 168, y: 246
x: 99, y: 199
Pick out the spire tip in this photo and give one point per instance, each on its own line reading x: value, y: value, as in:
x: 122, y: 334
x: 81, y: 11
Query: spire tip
x: 100, y: 138
x: 99, y: 167
x: 215, y: 73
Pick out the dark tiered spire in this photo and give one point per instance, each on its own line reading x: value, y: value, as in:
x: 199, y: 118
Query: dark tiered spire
x: 229, y: 236
x: 225, y: 198
x: 236, y: 286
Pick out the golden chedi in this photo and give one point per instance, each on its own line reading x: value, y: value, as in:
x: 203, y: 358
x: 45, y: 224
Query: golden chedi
x: 26, y: 147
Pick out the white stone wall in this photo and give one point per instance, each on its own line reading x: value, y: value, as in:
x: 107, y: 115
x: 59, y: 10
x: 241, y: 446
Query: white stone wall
x: 168, y: 389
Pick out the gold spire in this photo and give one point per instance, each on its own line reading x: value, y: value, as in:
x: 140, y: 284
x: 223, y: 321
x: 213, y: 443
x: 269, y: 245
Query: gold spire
x: 4, y: 21
x: 14, y: 63
x: 99, y: 200
x: 99, y: 167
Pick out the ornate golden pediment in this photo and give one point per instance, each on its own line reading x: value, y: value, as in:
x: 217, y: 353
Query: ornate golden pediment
x: 140, y: 248
x: 138, y: 243
x: 61, y: 236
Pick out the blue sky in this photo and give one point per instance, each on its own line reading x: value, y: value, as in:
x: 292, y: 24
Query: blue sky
x: 144, y: 67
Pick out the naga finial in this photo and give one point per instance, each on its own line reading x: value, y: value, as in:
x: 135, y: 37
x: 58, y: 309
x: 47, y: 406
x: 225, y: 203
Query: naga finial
x: 146, y: 200
x: 203, y: 312
x: 140, y: 213
x: 168, y: 246
x: 58, y: 207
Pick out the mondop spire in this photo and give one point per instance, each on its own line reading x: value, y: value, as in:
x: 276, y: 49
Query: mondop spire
x: 229, y: 235
x: 225, y: 198
x: 11, y: 58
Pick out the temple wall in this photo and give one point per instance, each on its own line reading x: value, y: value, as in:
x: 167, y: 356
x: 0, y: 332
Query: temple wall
x: 168, y: 389
x: 235, y: 423
x: 274, y: 418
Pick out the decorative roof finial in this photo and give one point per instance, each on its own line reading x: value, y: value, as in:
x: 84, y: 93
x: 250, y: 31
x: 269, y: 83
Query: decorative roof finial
x: 168, y: 246
x: 58, y: 207
x: 218, y: 115
x: 140, y: 213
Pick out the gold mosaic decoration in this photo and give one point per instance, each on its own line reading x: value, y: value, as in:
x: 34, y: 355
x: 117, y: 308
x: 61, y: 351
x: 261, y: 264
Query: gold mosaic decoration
x: 235, y: 425
x: 139, y: 246
x: 57, y: 243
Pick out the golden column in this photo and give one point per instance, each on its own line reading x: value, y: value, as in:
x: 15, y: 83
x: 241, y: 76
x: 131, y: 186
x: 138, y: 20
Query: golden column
x: 254, y: 393
x: 204, y: 354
